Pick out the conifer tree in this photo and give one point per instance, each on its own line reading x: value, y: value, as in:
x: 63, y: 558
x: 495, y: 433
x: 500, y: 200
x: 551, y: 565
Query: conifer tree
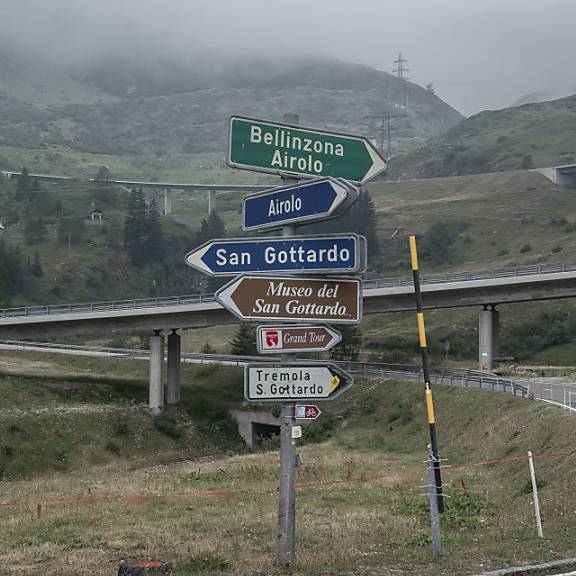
x: 103, y: 174
x: 349, y: 348
x: 35, y: 230
x: 134, y: 227
x: 36, y: 268
x: 34, y: 189
x: 361, y: 219
x: 367, y: 224
x: 24, y: 184
x: 13, y: 272
x: 210, y: 228
x: 153, y: 240
x: 244, y: 342
x: 143, y: 237
x: 71, y: 230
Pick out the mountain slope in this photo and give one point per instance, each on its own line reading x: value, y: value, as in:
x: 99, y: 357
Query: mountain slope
x: 150, y: 122
x: 532, y: 135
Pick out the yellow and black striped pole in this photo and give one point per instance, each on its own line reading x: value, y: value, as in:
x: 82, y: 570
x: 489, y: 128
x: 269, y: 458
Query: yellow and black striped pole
x: 426, y: 372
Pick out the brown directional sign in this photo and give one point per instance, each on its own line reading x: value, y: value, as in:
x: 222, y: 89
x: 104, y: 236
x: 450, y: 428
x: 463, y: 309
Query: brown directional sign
x: 280, y: 339
x: 289, y: 298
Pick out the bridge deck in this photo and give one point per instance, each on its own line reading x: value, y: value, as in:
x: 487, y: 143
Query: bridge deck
x: 387, y: 295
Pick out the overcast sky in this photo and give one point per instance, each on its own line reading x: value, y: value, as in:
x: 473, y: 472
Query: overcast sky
x: 478, y: 53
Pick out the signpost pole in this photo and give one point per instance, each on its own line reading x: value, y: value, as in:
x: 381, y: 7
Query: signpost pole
x: 434, y: 513
x: 336, y: 160
x: 287, y: 500
x: 287, y: 496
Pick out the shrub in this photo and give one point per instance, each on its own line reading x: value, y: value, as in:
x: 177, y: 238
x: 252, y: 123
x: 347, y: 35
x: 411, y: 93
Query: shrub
x: 465, y: 509
x: 120, y: 428
x: 202, y: 564
x: 166, y: 424
x: 113, y: 447
x: 436, y: 245
x: 527, y: 162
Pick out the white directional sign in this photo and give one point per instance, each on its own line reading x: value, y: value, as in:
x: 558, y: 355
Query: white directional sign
x: 294, y: 382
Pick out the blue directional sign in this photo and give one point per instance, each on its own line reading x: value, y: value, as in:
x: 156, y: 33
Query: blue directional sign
x: 340, y: 253
x: 302, y: 203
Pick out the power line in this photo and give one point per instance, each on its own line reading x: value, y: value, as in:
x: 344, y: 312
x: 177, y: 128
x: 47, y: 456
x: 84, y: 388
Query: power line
x: 385, y: 131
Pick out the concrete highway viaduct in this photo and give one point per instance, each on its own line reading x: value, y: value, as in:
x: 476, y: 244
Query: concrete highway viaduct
x: 163, y: 317
x: 167, y: 187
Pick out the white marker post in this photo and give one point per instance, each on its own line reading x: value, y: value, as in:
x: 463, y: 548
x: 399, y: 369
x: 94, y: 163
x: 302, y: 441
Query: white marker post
x: 535, y: 494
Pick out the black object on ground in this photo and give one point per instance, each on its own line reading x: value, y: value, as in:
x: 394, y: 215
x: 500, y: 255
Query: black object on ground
x: 144, y: 568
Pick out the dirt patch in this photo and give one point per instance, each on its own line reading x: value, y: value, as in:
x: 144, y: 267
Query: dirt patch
x: 71, y: 409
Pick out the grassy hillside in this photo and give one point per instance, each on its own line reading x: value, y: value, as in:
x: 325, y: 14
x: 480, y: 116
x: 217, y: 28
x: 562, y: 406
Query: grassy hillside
x: 486, y: 222
x: 360, y: 505
x: 93, y: 262
x: 64, y: 414
x: 492, y: 221
x: 533, y: 135
x: 480, y: 222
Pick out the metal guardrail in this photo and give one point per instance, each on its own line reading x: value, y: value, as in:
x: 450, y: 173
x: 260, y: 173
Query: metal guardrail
x: 471, y: 276
x: 118, y: 305
x: 440, y: 375
x: 167, y: 301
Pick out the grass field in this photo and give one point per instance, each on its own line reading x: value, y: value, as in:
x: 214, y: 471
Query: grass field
x: 361, y: 508
x: 500, y: 221
x: 63, y: 413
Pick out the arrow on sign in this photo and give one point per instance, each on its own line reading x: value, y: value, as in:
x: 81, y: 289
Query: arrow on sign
x: 264, y: 146
x: 226, y: 257
x: 293, y: 382
x: 280, y: 339
x: 303, y: 203
x: 289, y: 298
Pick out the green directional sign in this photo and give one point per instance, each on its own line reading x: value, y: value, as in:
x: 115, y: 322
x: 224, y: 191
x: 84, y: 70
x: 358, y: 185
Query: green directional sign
x: 284, y: 149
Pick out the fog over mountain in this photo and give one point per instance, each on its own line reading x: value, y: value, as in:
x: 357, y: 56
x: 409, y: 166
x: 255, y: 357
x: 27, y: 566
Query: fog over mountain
x: 477, y: 53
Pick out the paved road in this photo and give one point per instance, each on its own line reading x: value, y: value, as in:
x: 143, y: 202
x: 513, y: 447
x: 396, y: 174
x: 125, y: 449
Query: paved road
x: 450, y: 376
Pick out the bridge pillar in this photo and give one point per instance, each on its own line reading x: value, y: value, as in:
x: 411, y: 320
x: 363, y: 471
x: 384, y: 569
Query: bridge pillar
x: 173, y: 381
x: 167, y: 202
x: 566, y: 177
x: 156, y: 388
x: 488, y: 333
x: 211, y: 201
